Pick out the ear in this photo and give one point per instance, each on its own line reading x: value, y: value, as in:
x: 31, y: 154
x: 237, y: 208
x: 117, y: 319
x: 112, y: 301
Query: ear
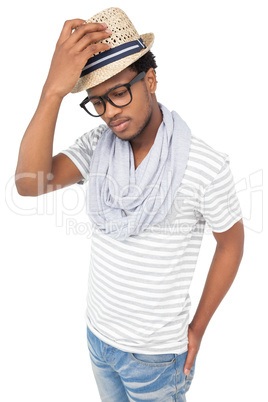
x: 151, y: 80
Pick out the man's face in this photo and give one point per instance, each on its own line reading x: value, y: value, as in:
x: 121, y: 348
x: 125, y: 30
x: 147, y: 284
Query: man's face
x: 129, y: 121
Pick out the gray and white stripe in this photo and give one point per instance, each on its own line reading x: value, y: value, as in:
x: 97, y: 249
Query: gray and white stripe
x: 138, y: 289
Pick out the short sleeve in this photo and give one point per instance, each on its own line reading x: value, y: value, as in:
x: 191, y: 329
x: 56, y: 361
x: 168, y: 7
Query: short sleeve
x: 219, y: 205
x: 81, y: 151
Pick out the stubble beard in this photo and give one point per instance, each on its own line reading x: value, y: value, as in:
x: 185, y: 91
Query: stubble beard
x: 143, y: 126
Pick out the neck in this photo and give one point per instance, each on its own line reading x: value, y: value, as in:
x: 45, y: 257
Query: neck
x: 145, y: 141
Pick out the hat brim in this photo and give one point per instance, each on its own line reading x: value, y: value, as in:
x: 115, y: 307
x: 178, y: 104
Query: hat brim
x: 104, y: 73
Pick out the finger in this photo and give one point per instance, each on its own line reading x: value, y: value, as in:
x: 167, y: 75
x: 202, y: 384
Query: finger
x: 85, y: 29
x: 93, y: 49
x: 68, y: 28
x: 189, y: 361
x: 91, y: 38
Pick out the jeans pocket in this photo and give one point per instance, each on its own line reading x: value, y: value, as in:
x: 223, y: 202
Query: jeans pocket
x: 154, y: 360
x: 93, y: 342
x: 89, y: 340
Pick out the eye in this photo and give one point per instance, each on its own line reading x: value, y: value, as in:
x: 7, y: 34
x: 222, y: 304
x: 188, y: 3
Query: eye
x: 119, y: 92
x: 96, y: 102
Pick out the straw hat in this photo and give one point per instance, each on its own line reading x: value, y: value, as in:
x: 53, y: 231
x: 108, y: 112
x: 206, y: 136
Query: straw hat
x: 127, y: 47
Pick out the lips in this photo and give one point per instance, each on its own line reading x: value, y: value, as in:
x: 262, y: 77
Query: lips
x: 119, y: 125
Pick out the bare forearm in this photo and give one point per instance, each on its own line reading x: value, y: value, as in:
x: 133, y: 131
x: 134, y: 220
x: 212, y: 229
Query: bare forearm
x: 222, y: 272
x: 35, y: 155
x: 221, y: 275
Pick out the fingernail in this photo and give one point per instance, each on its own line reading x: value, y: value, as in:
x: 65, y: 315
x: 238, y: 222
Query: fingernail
x: 108, y: 31
x: 104, y: 25
x: 186, y: 372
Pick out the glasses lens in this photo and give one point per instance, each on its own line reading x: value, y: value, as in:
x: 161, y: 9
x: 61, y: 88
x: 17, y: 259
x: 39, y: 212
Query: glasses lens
x: 120, y: 96
x: 95, y: 106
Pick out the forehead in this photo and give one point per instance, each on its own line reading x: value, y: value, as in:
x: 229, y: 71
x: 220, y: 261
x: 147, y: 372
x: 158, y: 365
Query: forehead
x: 119, y: 79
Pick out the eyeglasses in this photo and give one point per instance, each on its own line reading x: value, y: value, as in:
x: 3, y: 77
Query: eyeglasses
x: 118, y: 96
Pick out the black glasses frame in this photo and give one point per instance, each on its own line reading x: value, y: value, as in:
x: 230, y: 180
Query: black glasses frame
x: 104, y: 97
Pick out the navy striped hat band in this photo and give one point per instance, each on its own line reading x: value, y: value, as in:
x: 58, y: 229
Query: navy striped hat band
x: 112, y: 55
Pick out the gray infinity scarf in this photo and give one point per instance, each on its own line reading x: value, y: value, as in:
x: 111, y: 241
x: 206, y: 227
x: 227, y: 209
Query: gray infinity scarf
x: 123, y: 201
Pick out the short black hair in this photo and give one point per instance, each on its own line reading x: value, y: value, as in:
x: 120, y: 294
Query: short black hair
x: 144, y: 63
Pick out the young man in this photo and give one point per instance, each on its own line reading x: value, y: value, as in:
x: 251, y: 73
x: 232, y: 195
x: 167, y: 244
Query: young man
x: 152, y: 186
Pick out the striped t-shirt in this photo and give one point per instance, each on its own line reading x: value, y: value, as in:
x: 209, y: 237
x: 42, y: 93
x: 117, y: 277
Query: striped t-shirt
x: 138, y: 290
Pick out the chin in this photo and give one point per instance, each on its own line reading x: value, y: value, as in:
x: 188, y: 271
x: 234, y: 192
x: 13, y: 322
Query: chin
x: 127, y: 137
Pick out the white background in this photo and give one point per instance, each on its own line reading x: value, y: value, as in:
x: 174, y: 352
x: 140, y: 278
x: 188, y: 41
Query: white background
x: 212, y: 58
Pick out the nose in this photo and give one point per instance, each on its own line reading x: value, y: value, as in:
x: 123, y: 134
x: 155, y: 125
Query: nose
x: 111, y: 110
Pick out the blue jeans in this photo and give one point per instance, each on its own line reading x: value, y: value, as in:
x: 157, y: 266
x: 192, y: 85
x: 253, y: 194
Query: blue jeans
x: 124, y: 377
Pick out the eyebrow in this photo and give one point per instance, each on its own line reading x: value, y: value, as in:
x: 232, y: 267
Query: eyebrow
x: 115, y: 86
